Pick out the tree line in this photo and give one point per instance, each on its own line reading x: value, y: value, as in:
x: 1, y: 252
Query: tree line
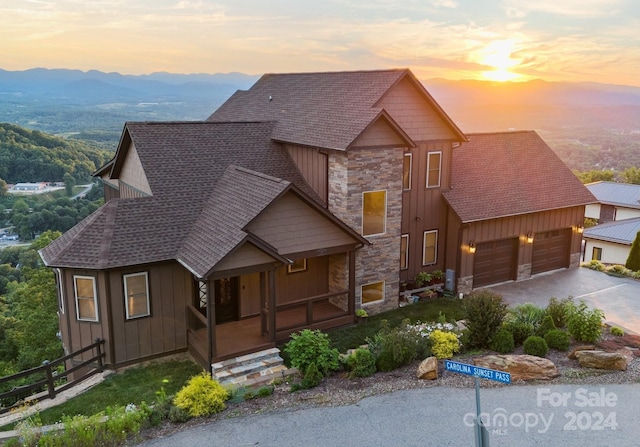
x: 34, y: 156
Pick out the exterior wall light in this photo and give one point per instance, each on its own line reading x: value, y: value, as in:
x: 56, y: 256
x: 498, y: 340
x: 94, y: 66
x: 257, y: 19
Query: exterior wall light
x: 472, y: 247
x: 530, y: 237
x: 580, y: 228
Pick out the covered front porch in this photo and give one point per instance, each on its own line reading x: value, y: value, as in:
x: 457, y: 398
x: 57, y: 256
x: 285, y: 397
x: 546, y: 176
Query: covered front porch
x: 314, y: 292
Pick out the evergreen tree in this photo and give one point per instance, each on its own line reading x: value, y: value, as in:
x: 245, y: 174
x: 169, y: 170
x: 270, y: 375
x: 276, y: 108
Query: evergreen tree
x: 633, y: 261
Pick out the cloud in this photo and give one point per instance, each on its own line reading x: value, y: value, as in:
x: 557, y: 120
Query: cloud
x: 572, y: 8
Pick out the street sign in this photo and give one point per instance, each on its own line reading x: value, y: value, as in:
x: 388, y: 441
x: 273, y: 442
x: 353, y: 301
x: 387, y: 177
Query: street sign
x: 477, y: 371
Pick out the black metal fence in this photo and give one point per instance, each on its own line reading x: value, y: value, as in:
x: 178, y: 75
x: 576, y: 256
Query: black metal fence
x: 44, y: 378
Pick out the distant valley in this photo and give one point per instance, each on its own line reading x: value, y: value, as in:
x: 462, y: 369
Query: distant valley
x: 591, y: 126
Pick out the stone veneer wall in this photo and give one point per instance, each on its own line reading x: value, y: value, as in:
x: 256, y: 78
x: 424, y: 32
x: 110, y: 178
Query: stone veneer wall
x: 350, y: 174
x: 524, y: 271
x: 465, y: 285
x: 338, y: 279
x: 574, y: 260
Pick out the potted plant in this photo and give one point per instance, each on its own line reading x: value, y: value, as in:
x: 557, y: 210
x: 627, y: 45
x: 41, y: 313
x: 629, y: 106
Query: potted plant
x: 438, y: 276
x: 361, y: 315
x: 422, y: 279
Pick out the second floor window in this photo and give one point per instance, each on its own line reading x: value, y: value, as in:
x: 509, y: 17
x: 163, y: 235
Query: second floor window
x: 406, y: 172
x: 374, y: 212
x: 434, y: 163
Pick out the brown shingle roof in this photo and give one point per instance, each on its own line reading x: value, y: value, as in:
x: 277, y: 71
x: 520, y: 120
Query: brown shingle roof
x: 328, y: 110
x: 512, y: 173
x: 241, y: 194
x: 184, y: 163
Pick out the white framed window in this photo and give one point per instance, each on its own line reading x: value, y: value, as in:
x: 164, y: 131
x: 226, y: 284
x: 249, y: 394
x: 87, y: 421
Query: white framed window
x: 430, y: 247
x: 136, y: 295
x: 406, y: 171
x: 434, y: 165
x: 374, y: 212
x: 86, y: 298
x: 299, y: 265
x: 596, y: 254
x: 372, y: 292
x: 404, y: 252
x: 60, y: 291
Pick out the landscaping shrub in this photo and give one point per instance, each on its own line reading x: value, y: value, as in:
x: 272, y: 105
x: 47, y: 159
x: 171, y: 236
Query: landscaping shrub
x: 178, y: 416
x: 633, y: 260
x: 361, y: 363
x: 546, y: 326
x: 535, y: 345
x: 201, y: 396
x: 484, y: 311
x: 395, y: 347
x: 559, y: 310
x: 618, y: 332
x: 595, y: 265
x: 111, y: 428
x: 585, y: 324
x: 502, y: 341
x: 618, y: 270
x: 558, y: 339
x: 444, y: 344
x: 521, y: 330
x: 312, y: 377
x: 527, y: 313
x: 312, y: 347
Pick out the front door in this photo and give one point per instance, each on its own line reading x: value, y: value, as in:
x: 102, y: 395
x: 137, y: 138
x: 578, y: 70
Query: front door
x: 226, y: 293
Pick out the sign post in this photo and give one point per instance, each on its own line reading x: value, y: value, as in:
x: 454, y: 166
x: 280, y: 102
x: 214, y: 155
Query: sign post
x: 481, y: 433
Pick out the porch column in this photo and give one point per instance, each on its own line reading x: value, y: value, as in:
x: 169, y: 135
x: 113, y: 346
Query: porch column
x: 272, y: 304
x: 351, y: 306
x: 211, y: 333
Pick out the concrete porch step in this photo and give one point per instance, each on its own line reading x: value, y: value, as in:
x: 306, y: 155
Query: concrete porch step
x: 250, y: 370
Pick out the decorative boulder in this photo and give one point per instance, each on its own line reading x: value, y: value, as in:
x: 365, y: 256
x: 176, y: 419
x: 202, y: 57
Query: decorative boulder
x: 602, y: 360
x: 521, y: 367
x: 428, y: 369
x: 573, y: 354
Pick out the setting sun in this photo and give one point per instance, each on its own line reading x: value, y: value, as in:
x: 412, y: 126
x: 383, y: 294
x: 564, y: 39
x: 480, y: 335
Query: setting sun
x: 499, y: 55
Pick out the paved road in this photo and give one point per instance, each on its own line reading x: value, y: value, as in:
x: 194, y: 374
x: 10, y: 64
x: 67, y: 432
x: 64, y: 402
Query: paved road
x: 441, y: 416
x: 558, y: 416
x: 619, y: 298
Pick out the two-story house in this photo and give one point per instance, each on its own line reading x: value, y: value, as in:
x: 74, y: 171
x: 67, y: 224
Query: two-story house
x: 299, y: 200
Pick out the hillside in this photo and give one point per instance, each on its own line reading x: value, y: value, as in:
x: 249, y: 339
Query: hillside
x: 30, y: 156
x: 94, y: 105
x: 589, y: 125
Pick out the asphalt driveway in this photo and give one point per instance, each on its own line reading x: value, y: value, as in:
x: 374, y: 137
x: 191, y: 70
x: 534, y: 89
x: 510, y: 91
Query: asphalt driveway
x: 619, y: 298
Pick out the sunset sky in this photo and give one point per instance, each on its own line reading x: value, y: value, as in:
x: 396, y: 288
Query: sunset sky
x: 555, y: 40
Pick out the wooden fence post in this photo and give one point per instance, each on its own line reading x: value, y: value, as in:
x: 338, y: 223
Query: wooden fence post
x: 50, y: 384
x: 98, y: 348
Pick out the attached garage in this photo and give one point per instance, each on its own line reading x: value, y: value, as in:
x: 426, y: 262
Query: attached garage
x: 551, y: 250
x: 495, y: 262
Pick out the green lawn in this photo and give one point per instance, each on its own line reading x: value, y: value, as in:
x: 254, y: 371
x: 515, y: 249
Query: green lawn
x: 140, y: 384
x: 354, y: 336
x: 134, y: 385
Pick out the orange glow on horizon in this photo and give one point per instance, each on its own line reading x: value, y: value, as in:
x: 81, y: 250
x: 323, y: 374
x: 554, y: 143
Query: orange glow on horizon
x: 499, y: 55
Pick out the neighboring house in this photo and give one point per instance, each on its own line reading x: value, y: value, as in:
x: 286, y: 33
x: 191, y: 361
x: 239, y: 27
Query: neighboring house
x: 610, y: 242
x: 616, y: 201
x: 296, y: 202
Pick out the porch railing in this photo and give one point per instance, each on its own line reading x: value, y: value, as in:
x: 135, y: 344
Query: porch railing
x: 309, y: 311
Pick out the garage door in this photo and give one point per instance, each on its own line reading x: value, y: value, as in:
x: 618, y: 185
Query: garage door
x: 495, y: 262
x: 551, y: 250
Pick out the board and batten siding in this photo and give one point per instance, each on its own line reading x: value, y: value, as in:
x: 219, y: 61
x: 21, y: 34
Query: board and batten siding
x: 80, y: 334
x: 292, y: 226
x: 313, y: 165
x: 164, y: 331
x: 423, y: 209
x: 414, y: 113
x: 311, y: 282
x: 133, y: 173
x: 520, y: 226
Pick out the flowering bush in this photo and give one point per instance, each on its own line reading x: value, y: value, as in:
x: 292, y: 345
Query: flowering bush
x: 444, y: 344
